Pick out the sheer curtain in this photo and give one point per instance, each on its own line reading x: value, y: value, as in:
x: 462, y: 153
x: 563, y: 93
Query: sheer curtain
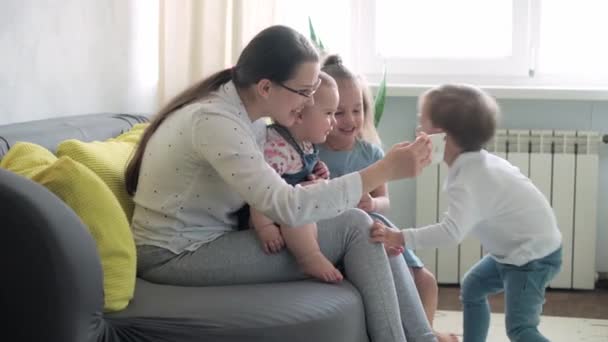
x: 200, y: 37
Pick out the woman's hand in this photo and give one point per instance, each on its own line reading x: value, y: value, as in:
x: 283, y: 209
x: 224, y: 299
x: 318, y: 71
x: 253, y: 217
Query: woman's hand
x: 403, y: 160
x: 406, y: 160
x: 367, y: 203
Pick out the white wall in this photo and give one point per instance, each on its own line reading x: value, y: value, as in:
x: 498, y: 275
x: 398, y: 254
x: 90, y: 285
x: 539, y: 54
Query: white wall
x: 65, y: 57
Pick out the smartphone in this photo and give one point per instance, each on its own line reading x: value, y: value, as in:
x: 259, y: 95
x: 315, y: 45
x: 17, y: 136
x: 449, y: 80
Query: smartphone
x: 438, y: 149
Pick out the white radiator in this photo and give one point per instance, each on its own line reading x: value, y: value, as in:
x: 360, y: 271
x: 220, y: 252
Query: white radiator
x: 564, y: 166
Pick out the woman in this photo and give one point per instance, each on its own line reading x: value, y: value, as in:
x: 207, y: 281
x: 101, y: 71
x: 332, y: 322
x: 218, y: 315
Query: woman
x: 200, y: 160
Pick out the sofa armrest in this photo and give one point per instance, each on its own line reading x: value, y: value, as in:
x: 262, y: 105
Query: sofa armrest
x: 52, y: 288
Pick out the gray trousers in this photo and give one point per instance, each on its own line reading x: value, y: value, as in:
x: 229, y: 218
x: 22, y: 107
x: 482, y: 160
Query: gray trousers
x: 392, y: 307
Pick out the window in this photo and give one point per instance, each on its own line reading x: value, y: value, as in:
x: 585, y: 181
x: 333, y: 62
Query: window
x: 332, y: 20
x: 573, y: 38
x: 442, y: 37
x: 499, y: 42
x: 445, y: 34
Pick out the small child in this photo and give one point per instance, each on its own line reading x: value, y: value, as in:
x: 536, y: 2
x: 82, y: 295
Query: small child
x: 293, y: 154
x: 492, y: 200
x: 353, y: 145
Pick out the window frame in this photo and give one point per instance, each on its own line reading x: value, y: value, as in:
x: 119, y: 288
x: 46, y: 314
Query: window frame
x: 521, y: 72
x: 519, y: 65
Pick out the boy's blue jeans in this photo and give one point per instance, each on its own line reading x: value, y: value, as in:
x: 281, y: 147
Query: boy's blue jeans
x: 524, y: 288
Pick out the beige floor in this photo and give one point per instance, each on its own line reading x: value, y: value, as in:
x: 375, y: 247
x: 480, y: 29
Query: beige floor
x: 557, y: 329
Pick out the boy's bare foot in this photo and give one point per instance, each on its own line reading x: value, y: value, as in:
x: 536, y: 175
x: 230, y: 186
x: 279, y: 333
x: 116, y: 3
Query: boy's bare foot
x: 317, y: 265
x: 271, y: 239
x: 446, y: 337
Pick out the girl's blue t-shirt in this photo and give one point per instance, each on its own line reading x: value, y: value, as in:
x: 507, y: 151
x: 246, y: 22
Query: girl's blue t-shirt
x: 341, y: 163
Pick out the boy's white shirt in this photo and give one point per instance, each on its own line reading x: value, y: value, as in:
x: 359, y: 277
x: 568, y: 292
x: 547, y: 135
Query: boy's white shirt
x: 492, y: 200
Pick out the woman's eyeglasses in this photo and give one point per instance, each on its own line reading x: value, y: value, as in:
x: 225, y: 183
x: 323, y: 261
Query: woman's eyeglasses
x: 305, y: 93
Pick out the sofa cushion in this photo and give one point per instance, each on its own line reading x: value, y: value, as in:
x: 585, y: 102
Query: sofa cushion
x: 27, y: 159
x: 89, y: 197
x: 50, y: 132
x: 290, y: 311
x: 108, y: 159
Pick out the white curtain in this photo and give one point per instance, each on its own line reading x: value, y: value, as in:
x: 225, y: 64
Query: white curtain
x: 200, y: 37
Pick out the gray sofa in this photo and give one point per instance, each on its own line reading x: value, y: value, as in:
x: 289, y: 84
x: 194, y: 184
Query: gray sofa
x: 52, y: 287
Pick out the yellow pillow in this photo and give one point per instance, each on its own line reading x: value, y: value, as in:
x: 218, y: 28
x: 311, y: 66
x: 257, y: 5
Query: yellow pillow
x: 27, y: 159
x: 83, y: 191
x: 133, y: 135
x: 108, y: 159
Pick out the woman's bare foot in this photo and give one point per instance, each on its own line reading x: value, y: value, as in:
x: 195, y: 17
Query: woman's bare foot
x: 317, y: 265
x: 271, y: 239
x: 446, y: 337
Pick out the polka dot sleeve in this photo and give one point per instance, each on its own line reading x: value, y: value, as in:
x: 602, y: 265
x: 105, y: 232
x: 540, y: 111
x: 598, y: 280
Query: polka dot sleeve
x: 230, y: 146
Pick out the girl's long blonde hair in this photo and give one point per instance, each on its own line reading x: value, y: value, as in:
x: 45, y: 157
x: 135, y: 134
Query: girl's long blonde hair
x: 334, y: 67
